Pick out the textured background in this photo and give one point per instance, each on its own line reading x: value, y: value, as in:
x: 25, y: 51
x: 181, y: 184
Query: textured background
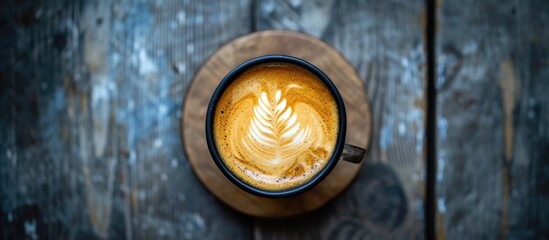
x: 90, y: 108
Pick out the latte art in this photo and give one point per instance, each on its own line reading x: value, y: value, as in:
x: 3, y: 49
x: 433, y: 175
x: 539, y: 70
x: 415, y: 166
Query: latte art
x: 275, y: 134
x: 276, y: 126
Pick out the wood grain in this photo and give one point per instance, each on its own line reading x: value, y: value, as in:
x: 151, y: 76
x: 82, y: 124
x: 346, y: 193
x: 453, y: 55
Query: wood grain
x: 92, y: 95
x: 254, y: 45
x: 96, y: 87
x: 383, y: 40
x: 492, y: 114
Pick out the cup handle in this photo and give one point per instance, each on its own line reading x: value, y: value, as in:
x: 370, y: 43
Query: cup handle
x: 352, y: 153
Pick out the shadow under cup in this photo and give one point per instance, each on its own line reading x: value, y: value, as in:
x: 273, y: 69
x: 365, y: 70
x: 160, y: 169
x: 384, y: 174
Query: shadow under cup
x: 353, y: 154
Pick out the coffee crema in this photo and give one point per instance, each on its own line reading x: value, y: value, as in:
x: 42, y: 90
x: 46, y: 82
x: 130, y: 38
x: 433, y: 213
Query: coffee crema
x: 275, y: 126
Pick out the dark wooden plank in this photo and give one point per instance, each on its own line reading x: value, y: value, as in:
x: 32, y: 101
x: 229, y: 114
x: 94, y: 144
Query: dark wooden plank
x: 493, y: 140
x: 36, y: 38
x: 384, y: 41
x: 91, y: 140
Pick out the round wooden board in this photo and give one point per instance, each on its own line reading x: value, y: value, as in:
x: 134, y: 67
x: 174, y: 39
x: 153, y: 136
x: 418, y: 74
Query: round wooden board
x: 212, y: 71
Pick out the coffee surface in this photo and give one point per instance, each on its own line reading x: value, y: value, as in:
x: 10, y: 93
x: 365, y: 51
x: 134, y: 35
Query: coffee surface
x: 275, y: 126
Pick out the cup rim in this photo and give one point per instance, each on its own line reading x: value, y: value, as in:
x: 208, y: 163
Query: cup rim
x: 340, y: 140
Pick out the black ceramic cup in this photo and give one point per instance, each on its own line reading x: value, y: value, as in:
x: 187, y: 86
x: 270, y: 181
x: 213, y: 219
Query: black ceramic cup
x: 341, y: 151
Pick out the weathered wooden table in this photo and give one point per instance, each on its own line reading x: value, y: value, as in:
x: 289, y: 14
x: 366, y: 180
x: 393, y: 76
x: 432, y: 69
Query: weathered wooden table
x: 90, y: 110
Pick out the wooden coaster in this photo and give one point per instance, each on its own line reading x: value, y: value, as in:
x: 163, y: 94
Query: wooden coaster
x: 212, y: 71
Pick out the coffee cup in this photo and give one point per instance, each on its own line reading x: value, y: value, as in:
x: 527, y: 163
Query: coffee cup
x: 276, y: 125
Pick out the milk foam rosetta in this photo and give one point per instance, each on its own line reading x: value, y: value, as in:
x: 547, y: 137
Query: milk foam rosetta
x: 276, y: 126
